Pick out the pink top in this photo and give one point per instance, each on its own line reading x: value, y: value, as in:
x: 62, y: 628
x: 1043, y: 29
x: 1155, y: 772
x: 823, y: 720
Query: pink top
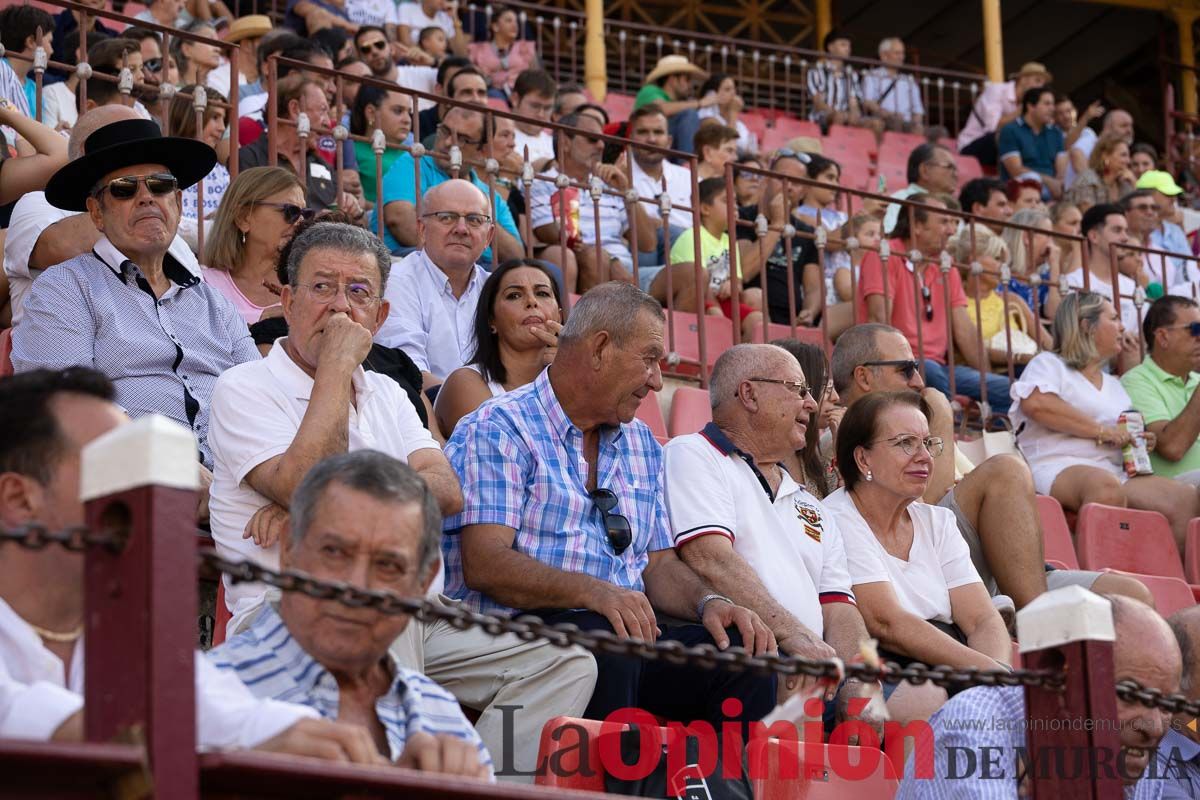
x: 996, y: 100
x: 222, y: 281
x: 502, y: 73
x: 903, y: 291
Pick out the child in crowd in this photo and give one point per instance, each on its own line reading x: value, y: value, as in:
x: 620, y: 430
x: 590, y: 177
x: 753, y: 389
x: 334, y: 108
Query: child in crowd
x: 716, y: 144
x: 714, y: 255
x: 432, y: 40
x: 867, y: 231
x: 819, y: 209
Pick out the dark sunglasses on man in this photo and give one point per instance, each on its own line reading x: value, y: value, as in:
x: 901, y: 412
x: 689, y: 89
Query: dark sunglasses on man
x: 620, y: 534
x: 1192, y: 328
x: 159, y: 183
x: 369, y: 46
x: 907, y: 368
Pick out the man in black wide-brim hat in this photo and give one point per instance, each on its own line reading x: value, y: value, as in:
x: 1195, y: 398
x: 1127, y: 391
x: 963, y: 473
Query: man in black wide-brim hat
x: 128, y: 308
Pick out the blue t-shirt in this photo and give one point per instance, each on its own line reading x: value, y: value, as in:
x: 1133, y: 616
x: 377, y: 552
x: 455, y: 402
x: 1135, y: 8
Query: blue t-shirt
x: 398, y: 184
x: 1037, y: 151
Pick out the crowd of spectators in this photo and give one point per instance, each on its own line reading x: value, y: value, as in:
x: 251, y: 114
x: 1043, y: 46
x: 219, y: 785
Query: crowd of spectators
x: 419, y: 413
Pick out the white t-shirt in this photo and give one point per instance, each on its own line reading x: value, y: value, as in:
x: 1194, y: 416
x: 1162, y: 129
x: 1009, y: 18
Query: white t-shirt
x: 541, y: 147
x: 747, y: 142
x: 421, y: 79
x: 59, y: 105
x: 257, y: 408
x: 1084, y: 144
x: 30, y: 217
x: 1049, y: 452
x: 791, y: 541
x: 372, y: 12
x: 938, y: 561
x: 412, y: 15
x: 679, y: 187
x: 1126, y: 285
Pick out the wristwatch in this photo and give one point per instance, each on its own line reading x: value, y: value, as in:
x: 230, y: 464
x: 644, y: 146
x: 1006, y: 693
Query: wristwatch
x: 704, y: 602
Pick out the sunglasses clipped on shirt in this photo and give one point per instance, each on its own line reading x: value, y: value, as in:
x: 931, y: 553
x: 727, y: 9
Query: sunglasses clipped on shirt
x: 620, y: 534
x: 123, y: 188
x: 907, y: 367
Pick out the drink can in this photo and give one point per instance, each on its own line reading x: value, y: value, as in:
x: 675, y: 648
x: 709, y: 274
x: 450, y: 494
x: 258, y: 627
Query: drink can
x: 1135, y: 456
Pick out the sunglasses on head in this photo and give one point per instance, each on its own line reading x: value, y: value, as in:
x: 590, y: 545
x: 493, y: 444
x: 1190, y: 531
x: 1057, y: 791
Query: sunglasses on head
x: 291, y: 212
x: 907, y: 368
x: 159, y: 183
x: 366, y: 48
x: 620, y: 534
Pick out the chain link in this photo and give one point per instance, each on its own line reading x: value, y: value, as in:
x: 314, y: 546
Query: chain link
x: 1134, y: 692
x: 76, y: 538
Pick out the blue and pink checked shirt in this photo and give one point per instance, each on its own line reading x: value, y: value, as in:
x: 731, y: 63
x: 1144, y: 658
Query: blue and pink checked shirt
x: 521, y: 464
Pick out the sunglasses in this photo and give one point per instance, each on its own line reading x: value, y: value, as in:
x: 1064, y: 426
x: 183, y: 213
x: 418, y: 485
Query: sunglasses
x: 907, y: 368
x: 152, y: 64
x: 367, y: 48
x: 1192, y: 328
x: 159, y: 184
x: 291, y: 213
x: 927, y: 296
x: 620, y: 534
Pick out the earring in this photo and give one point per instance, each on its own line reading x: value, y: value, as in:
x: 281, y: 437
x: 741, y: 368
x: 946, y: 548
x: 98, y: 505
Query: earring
x: 492, y: 329
x: 869, y: 475
x: 243, y: 237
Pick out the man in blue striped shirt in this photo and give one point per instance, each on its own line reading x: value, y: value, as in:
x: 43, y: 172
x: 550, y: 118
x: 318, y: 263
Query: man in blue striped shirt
x: 366, y: 519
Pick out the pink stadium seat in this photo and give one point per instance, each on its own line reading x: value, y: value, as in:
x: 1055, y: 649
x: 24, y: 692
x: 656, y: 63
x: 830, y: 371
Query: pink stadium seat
x: 844, y: 140
x: 6, y: 367
x: 895, y: 176
x: 777, y: 331
x: 1191, y: 553
x: 650, y: 413
x: 756, y: 123
x: 842, y: 773
x: 898, y: 144
x: 564, y: 740
x: 719, y: 336
x: 786, y: 129
x: 1170, y: 594
x: 969, y: 168
x: 1126, y: 539
x: 856, y: 172
x: 618, y: 106
x: 690, y: 411
x: 1056, y: 536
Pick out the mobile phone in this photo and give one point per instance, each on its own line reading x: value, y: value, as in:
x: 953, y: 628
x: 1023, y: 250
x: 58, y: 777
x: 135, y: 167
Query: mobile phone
x: 881, y: 185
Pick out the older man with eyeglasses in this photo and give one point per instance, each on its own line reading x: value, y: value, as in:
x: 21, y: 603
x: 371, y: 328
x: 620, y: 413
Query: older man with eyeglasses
x: 460, y: 130
x: 128, y: 307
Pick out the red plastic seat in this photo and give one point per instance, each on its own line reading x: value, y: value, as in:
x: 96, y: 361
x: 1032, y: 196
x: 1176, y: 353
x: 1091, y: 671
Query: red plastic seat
x: 618, y: 106
x: 691, y: 410
x: 843, y: 772
x: 969, y: 168
x: 784, y: 130
x: 686, y: 327
x: 1191, y: 552
x: 1170, y: 594
x: 564, y: 740
x: 898, y: 144
x: 222, y: 615
x: 856, y: 171
x: 1056, y: 536
x: 847, y: 141
x: 1126, y: 539
x: 777, y: 331
x: 650, y: 413
x: 756, y: 123
x: 6, y: 367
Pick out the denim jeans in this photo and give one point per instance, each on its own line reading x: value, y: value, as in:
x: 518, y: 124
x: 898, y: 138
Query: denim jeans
x: 682, y: 127
x: 966, y: 382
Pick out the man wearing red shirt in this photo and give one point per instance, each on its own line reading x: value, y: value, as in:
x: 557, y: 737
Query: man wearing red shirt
x: 918, y: 299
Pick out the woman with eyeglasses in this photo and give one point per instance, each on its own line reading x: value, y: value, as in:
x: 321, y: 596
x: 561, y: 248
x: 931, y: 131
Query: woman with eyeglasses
x: 813, y: 465
x: 256, y: 216
x: 1066, y: 411
x: 910, y: 568
x: 517, y: 322
x: 504, y: 56
x: 378, y: 110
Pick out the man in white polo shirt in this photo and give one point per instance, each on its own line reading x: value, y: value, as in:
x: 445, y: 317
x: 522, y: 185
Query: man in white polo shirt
x: 750, y: 530
x: 310, y: 399
x: 434, y: 291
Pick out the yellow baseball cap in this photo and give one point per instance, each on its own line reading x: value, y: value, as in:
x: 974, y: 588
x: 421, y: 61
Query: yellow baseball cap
x: 1159, y: 181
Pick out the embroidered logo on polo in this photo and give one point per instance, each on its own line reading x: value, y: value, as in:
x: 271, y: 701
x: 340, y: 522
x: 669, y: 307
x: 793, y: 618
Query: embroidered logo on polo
x: 811, y: 517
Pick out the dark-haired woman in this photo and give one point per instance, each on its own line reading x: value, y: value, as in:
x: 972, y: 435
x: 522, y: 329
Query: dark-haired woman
x: 813, y: 466
x: 516, y: 334
x: 375, y: 109
x: 726, y: 109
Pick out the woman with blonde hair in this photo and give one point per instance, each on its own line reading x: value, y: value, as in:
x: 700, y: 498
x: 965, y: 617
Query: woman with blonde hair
x: 1066, y: 411
x: 255, y: 218
x: 1108, y: 177
x: 1033, y: 254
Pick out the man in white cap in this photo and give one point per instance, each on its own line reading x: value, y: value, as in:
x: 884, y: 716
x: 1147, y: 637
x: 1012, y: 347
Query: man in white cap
x: 671, y: 84
x: 996, y: 107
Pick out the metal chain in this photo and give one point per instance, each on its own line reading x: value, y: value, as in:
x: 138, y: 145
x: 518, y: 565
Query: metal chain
x: 1134, y: 692
x: 76, y: 538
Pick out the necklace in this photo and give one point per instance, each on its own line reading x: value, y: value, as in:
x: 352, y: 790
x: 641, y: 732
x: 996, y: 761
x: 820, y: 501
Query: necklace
x: 55, y: 636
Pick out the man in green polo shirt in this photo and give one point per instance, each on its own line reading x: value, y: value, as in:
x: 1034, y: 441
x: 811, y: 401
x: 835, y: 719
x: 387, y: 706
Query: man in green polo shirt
x: 1163, y: 387
x: 671, y: 85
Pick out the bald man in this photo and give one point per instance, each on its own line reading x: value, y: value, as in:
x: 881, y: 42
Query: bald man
x: 434, y: 290
x: 1144, y: 650
x: 40, y: 235
x: 1178, y: 756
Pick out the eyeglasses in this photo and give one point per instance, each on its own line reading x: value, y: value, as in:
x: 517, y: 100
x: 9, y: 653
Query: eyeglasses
x: 446, y: 130
x: 798, y: 388
x: 907, y: 368
x: 451, y: 218
x: 950, y: 166
x: 291, y: 213
x: 357, y: 294
x: 152, y: 64
x: 1155, y: 207
x: 159, y: 184
x: 620, y: 534
x: 933, y: 444
x: 1191, y: 327
x: 369, y: 46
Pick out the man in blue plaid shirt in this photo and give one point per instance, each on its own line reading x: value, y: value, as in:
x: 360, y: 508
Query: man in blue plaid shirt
x: 564, y: 517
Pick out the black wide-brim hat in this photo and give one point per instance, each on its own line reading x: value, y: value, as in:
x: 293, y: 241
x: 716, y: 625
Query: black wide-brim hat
x: 124, y: 144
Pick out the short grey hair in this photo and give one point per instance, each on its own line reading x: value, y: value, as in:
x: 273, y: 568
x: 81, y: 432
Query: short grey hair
x: 342, y: 237
x: 610, y: 307
x: 890, y: 42
x: 740, y: 363
x: 855, y: 347
x: 1073, y: 341
x: 383, y: 478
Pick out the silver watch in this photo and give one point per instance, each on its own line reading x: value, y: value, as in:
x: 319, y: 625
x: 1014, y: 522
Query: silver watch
x: 704, y: 602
